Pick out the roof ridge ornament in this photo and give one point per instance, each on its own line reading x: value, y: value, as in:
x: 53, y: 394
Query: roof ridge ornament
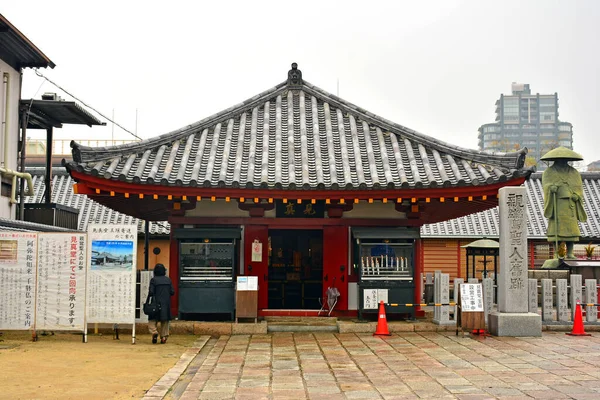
x: 294, y: 77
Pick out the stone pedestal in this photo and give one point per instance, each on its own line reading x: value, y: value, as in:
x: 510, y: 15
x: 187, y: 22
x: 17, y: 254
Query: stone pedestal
x: 515, y: 324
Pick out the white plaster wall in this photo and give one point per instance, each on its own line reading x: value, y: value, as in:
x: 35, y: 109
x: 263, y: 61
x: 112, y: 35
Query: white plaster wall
x: 12, y: 125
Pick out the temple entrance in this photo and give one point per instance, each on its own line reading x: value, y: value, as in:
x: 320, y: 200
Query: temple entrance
x: 295, y: 269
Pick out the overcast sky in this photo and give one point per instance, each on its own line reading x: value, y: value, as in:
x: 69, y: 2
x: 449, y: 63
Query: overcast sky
x: 434, y: 66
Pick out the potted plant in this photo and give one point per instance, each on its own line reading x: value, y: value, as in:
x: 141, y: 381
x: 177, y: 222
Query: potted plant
x: 589, y: 250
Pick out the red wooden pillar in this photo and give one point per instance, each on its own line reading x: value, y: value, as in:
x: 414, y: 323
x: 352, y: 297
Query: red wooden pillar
x: 419, y: 269
x: 174, y: 270
x: 458, y: 262
x: 259, y: 269
x: 335, y: 255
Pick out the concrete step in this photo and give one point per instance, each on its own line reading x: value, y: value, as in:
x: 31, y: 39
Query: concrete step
x: 299, y: 321
x: 301, y: 324
x: 302, y: 328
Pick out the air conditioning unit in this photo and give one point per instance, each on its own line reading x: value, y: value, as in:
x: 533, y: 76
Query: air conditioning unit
x: 51, y: 96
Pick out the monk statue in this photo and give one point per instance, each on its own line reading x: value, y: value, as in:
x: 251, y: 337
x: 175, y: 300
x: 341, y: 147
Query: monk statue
x: 563, y: 201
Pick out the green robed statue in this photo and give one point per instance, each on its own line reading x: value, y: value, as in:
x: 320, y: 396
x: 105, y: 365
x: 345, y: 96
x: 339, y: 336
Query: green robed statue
x: 563, y: 200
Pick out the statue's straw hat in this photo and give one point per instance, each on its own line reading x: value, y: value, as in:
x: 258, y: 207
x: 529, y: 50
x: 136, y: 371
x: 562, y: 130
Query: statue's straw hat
x: 561, y: 153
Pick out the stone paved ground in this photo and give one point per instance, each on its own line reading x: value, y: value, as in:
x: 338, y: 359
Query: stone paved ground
x: 402, y: 366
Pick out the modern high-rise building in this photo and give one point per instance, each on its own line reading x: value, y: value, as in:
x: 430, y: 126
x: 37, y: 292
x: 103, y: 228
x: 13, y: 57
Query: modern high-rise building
x: 526, y: 120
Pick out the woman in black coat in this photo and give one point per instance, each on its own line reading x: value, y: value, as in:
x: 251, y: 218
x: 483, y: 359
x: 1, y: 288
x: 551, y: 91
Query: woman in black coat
x: 162, y: 290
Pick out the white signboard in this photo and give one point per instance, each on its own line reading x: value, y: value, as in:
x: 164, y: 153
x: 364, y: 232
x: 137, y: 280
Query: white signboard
x: 112, y: 250
x: 242, y: 283
x: 471, y: 297
x: 17, y: 280
x: 247, y: 283
x: 372, y: 297
x: 61, y: 281
x: 253, y: 283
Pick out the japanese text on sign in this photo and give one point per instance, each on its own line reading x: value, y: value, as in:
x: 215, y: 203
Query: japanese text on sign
x: 18, y: 262
x: 61, y: 280
x: 111, y: 273
x: 471, y: 297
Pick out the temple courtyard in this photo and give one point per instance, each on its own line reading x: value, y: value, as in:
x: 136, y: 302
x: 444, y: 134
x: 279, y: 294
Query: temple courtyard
x: 317, y: 365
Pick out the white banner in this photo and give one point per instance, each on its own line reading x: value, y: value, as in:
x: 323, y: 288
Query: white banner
x: 61, y: 281
x: 17, y: 280
x: 111, y: 273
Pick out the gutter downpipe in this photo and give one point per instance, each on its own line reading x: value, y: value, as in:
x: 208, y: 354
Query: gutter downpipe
x: 4, y: 164
x: 14, y: 175
x: 23, y: 154
x: 5, y: 81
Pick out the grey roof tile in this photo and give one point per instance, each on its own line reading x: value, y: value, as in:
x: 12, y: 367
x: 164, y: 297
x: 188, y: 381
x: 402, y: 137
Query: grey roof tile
x: 297, y: 137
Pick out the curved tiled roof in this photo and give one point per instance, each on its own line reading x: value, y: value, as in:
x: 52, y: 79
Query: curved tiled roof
x: 297, y: 137
x: 89, y: 210
x: 486, y: 224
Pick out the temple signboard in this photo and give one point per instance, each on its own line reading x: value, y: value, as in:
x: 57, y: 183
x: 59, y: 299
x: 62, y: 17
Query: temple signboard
x: 305, y: 209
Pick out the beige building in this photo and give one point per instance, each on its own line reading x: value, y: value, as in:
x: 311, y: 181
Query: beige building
x: 17, y: 52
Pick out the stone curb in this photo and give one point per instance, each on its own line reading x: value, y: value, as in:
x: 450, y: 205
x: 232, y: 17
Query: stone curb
x: 164, y: 384
x: 216, y: 329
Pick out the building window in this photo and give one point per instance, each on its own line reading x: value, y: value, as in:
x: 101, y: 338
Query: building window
x: 490, y: 129
x: 547, y: 116
x: 511, y: 109
x: 491, y: 136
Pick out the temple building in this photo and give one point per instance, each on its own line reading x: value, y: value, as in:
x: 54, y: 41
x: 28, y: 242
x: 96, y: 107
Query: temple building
x: 301, y: 189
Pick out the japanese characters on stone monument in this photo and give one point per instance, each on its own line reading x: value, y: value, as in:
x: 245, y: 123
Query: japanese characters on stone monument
x: 547, y: 300
x: 512, y: 280
x: 562, y: 305
x: 563, y: 201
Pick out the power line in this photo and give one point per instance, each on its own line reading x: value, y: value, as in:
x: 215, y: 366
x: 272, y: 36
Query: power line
x: 38, y: 73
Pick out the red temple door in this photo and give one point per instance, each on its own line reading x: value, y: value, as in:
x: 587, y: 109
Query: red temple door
x: 257, y: 268
x: 335, y: 262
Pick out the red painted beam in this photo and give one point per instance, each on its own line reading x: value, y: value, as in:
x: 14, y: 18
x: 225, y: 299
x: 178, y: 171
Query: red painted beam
x: 87, y: 185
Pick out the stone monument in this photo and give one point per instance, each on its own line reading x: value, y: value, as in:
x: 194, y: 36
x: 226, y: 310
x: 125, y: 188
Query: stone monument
x: 513, y: 317
x: 563, y: 202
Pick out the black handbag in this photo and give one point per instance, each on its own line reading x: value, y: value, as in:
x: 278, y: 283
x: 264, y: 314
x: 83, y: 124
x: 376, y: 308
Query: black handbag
x: 150, y: 306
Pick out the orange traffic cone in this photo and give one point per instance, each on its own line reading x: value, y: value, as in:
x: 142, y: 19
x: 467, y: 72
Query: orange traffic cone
x: 578, y: 329
x: 382, y: 328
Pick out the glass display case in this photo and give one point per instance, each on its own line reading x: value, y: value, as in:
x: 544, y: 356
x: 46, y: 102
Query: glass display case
x: 206, y: 262
x: 386, y: 261
x: 207, y: 277
x: 386, y: 273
